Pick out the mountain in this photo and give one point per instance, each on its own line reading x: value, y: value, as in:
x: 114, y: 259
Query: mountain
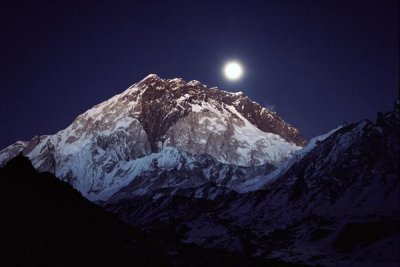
x: 118, y: 140
x: 45, y: 222
x: 336, y: 203
x: 193, y: 166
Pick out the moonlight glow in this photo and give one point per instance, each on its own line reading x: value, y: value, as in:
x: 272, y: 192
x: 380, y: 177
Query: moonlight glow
x: 233, y: 70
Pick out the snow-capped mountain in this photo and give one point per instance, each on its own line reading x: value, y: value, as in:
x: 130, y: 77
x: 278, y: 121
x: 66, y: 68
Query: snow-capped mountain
x: 117, y: 141
x: 334, y: 204
x: 215, y: 169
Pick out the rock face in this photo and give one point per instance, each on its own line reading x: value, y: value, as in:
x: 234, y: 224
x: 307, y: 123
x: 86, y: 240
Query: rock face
x: 335, y: 204
x: 109, y: 145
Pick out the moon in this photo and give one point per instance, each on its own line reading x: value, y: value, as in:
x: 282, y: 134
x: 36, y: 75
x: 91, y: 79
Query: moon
x: 233, y: 70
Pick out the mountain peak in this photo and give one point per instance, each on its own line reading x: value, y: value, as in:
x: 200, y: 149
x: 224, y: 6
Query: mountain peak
x: 194, y: 83
x: 151, y: 76
x: 102, y: 145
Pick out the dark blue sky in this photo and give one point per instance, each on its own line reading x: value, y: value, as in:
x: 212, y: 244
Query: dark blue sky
x: 318, y: 63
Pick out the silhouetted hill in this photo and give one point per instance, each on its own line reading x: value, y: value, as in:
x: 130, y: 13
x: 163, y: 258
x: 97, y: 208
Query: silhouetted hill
x: 45, y: 222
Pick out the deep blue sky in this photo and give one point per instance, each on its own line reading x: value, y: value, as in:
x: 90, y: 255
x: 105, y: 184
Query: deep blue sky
x: 318, y: 63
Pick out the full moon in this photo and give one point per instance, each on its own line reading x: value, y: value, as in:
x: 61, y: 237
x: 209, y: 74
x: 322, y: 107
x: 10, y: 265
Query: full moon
x: 233, y: 70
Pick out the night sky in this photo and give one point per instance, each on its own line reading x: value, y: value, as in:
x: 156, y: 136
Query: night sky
x: 317, y: 63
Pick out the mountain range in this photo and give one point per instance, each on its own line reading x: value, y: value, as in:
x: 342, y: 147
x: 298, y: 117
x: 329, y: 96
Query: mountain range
x: 215, y: 169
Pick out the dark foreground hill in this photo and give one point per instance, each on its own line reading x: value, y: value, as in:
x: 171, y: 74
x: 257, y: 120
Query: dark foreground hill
x: 45, y: 222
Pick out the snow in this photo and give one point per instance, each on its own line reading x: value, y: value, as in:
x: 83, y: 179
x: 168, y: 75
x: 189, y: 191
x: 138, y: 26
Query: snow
x: 297, y: 156
x: 197, y: 108
x: 213, y: 124
x: 175, y: 80
x: 182, y: 98
x: 237, y: 93
x: 244, y: 140
x: 12, y: 151
x: 151, y: 75
x: 275, y: 147
x: 124, y: 122
x: 167, y: 158
x: 193, y: 83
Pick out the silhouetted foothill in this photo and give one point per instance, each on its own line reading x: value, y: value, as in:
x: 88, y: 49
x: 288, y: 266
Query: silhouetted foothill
x: 45, y: 222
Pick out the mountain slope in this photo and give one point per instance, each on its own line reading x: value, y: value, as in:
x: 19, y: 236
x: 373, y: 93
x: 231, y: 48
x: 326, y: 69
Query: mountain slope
x: 104, y: 146
x: 336, y: 205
